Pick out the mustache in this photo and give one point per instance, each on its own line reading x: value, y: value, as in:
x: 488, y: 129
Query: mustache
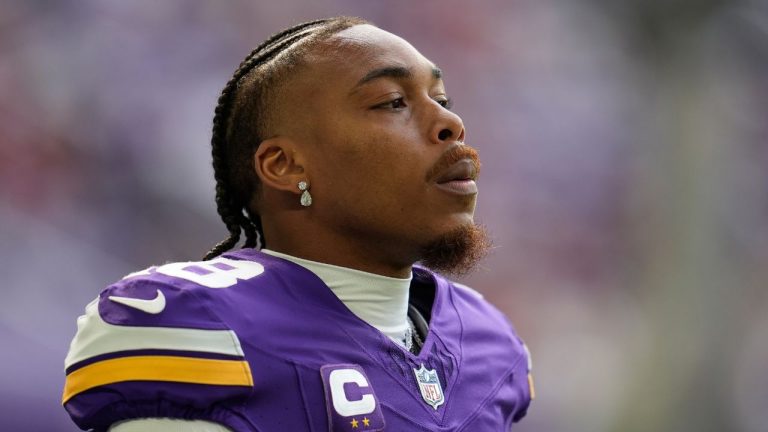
x: 451, y: 156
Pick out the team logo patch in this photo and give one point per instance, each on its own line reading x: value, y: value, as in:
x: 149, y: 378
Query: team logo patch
x: 429, y: 385
x: 350, y: 401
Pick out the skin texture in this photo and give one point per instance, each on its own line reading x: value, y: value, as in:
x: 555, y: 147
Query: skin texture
x: 367, y: 152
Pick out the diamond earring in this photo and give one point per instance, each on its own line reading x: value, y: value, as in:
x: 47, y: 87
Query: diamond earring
x: 306, y: 198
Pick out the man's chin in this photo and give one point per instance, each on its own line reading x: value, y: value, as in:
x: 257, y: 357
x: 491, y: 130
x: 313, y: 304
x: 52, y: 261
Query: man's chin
x: 458, y: 251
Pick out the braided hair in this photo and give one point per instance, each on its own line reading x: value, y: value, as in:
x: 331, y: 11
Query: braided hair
x: 239, y: 120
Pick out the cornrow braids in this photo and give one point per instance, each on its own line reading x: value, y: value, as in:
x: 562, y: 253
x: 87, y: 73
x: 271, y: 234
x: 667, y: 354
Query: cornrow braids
x: 239, y: 119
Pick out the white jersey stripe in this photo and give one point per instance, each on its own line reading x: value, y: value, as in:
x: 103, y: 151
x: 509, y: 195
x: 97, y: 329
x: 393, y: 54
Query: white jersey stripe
x: 96, y: 337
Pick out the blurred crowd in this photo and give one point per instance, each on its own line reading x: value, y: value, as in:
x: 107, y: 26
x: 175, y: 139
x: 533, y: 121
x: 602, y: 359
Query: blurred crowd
x: 625, y: 181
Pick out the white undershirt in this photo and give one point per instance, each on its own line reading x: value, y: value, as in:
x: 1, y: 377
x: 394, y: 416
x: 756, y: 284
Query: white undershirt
x: 380, y: 301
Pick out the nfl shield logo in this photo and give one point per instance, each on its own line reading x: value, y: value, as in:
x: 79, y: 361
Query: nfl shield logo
x: 429, y: 384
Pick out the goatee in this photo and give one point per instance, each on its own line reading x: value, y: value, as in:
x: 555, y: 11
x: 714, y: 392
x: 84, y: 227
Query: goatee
x: 458, y: 251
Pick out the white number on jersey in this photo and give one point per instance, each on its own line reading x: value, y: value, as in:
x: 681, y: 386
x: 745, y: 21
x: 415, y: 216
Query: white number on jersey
x: 216, y: 273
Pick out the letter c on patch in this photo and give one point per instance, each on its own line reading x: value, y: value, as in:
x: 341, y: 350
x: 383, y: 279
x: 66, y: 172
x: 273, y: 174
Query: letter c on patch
x: 341, y: 402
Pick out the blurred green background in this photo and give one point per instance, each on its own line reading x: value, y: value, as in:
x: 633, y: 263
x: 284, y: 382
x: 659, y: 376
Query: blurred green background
x: 625, y: 180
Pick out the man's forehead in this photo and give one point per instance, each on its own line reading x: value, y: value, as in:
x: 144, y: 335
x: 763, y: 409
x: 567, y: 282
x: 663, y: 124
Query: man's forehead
x: 361, y: 48
x: 368, y: 36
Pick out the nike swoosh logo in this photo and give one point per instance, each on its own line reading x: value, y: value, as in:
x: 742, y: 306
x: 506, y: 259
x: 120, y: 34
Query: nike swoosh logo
x: 154, y: 306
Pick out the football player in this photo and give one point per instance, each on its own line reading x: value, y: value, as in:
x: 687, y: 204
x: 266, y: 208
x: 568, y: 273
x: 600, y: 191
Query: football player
x: 336, y: 154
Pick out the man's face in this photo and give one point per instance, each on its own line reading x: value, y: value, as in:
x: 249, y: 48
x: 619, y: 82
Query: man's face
x: 386, y: 160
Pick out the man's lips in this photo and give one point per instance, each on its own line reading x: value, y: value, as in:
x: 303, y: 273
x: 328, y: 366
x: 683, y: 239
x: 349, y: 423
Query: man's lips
x: 459, y: 178
x: 456, y: 171
x: 460, y: 187
x: 460, y: 171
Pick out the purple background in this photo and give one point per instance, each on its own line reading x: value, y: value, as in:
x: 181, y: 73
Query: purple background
x: 625, y: 175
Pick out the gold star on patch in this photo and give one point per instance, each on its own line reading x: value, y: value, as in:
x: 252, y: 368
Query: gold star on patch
x: 366, y: 422
x: 354, y: 423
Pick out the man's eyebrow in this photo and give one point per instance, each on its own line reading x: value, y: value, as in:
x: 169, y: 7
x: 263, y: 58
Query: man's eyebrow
x: 398, y: 72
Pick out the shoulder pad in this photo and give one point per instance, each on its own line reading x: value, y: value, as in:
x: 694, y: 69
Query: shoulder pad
x: 149, y: 346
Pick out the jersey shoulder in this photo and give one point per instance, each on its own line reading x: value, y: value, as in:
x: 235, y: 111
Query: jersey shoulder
x: 153, y: 345
x: 484, y: 322
x: 479, y: 313
x: 455, y: 302
x: 471, y: 303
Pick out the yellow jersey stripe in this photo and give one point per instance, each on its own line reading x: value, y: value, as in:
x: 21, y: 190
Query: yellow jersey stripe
x: 531, y: 388
x: 158, y: 368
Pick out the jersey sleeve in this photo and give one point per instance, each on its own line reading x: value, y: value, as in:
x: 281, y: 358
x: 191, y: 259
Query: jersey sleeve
x: 150, y: 348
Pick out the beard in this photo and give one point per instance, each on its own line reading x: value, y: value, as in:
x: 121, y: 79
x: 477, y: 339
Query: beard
x: 458, y: 251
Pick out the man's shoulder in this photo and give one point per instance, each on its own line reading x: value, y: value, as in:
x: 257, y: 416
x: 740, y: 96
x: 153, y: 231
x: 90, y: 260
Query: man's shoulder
x: 490, y: 347
x: 463, y: 297
x: 161, y: 337
x: 224, y: 271
x: 178, y: 294
x: 475, y: 312
x: 191, y: 301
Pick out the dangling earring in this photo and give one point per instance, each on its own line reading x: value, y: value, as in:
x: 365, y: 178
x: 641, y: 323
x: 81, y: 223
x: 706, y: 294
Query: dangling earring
x: 306, y: 198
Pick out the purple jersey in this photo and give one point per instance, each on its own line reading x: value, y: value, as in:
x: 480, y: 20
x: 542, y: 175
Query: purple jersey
x: 258, y: 343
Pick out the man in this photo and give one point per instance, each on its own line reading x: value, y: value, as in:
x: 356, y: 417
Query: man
x: 335, y: 149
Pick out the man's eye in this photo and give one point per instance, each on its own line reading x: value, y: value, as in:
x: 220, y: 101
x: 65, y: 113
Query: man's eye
x: 395, y: 103
x: 446, y: 103
x: 392, y: 105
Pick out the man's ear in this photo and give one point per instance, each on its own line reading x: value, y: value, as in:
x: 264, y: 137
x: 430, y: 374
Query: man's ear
x: 279, y: 164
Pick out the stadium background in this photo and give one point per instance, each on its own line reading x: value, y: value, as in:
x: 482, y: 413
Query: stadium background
x: 625, y: 154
